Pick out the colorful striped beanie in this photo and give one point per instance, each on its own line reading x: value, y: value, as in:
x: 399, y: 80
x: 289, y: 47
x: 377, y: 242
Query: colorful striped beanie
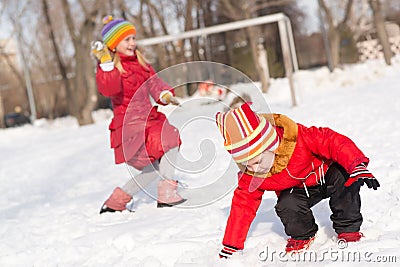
x: 246, y: 134
x: 114, y: 31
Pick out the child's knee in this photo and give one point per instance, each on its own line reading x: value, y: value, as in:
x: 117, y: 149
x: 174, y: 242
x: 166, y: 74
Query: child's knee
x: 286, y: 202
x: 289, y: 203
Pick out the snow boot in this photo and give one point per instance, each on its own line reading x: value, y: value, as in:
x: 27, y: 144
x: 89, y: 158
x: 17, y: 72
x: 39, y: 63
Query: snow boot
x: 298, y: 245
x: 350, y: 237
x: 167, y: 194
x: 116, y: 202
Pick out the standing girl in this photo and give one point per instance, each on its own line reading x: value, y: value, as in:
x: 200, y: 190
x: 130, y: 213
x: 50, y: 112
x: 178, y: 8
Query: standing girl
x: 140, y: 135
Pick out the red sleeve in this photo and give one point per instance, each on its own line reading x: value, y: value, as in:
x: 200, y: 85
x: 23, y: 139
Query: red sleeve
x: 243, y: 210
x: 332, y: 145
x: 157, y: 85
x: 108, y: 82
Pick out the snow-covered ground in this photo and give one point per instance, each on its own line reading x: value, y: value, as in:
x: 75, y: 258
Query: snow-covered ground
x: 55, y: 175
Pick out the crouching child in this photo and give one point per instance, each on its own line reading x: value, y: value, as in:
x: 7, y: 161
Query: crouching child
x: 303, y: 165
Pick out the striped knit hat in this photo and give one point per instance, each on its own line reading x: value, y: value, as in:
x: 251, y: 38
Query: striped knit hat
x: 114, y: 31
x: 246, y: 134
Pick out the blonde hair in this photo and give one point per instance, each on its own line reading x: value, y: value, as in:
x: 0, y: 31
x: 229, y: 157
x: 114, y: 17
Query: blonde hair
x: 141, y: 59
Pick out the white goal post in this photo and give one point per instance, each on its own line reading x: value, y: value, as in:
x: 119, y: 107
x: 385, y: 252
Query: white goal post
x: 285, y: 33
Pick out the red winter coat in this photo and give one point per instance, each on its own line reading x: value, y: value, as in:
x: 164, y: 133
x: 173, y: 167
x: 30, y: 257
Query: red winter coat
x: 302, y: 159
x: 139, y: 133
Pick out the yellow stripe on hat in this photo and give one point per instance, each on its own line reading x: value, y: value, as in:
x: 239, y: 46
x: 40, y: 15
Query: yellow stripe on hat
x: 258, y: 149
x: 268, y: 136
x: 260, y: 127
x: 119, y: 32
x: 244, y: 121
x: 221, y: 122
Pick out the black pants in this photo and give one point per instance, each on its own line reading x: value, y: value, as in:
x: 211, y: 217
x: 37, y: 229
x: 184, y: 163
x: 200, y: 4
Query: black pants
x: 293, y: 207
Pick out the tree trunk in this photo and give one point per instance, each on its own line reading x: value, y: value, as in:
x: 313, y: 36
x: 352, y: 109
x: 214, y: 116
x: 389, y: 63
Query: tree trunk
x: 252, y: 32
x: 83, y: 87
x: 2, y: 124
x: 335, y: 30
x: 173, y: 57
x: 334, y: 40
x: 194, y: 42
x: 87, y: 78
x: 61, y: 66
x: 379, y: 22
x: 229, y: 49
x: 188, y: 27
x: 83, y: 98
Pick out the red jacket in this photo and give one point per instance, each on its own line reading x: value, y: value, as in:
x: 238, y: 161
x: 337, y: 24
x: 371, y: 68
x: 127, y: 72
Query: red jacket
x: 302, y: 160
x: 139, y: 133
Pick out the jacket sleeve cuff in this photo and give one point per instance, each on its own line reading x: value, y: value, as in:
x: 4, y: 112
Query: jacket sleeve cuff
x: 108, y: 66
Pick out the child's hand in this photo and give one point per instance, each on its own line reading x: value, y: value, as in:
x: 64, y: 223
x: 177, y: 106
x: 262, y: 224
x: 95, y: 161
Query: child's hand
x: 101, y: 52
x: 361, y: 174
x: 174, y: 101
x: 168, y: 98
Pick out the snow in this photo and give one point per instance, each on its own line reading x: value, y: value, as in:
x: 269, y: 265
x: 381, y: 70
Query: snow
x: 55, y: 175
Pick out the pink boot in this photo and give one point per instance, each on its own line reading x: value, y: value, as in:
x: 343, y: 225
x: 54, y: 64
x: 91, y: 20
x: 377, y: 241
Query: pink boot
x: 116, y: 202
x: 167, y: 194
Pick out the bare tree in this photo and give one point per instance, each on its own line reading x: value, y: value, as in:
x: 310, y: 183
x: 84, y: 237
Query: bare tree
x: 335, y: 29
x: 392, y: 10
x: 379, y: 22
x: 82, y: 96
x: 189, y: 25
x: 14, y: 69
x: 2, y: 125
x: 61, y: 66
x: 47, y: 80
x: 246, y: 9
x: 360, y: 22
x: 150, y: 21
x: 14, y: 12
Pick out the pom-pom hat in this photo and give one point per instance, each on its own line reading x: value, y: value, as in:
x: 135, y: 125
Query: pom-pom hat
x: 114, y: 31
x: 246, y: 134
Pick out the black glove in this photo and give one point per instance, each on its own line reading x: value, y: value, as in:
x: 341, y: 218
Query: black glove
x: 362, y: 175
x: 227, y: 252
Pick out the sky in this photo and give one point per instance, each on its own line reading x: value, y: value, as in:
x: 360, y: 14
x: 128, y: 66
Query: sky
x: 310, y: 8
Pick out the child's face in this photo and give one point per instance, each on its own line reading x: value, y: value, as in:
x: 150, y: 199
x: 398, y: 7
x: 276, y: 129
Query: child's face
x: 127, y: 46
x: 261, y: 163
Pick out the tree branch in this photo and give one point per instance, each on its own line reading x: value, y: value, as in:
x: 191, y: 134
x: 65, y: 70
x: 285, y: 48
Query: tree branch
x: 270, y: 4
x: 53, y: 41
x: 229, y: 10
x: 327, y: 12
x: 348, y: 11
x: 69, y: 21
x: 84, y: 9
x: 14, y: 69
x: 160, y: 17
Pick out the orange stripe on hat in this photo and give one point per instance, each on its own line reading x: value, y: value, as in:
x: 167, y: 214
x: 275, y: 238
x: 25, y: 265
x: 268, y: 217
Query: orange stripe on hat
x: 114, y: 31
x: 121, y: 35
x: 245, y: 134
x: 246, y: 124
